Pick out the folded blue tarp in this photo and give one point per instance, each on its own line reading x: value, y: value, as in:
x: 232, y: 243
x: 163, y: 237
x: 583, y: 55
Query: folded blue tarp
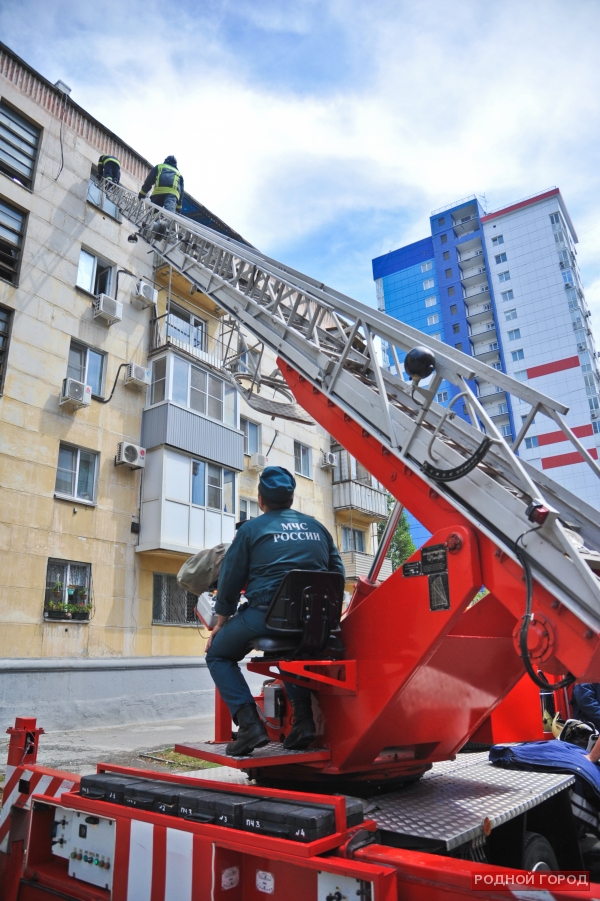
x: 559, y: 757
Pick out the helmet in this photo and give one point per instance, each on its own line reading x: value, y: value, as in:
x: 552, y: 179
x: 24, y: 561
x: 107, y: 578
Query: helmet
x: 171, y: 161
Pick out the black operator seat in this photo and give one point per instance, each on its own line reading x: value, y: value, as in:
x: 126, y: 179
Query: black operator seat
x: 305, y: 611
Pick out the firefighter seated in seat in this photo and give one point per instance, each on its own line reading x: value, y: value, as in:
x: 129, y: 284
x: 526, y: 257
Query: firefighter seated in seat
x: 264, y: 551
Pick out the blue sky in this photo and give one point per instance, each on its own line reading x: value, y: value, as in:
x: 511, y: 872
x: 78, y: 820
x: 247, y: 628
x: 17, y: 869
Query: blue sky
x: 326, y: 132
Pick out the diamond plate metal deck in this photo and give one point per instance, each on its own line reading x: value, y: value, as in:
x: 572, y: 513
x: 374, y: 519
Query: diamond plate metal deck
x: 272, y: 754
x: 451, y: 801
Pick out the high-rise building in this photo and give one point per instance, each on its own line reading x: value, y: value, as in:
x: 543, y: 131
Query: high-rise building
x: 504, y: 287
x: 124, y: 445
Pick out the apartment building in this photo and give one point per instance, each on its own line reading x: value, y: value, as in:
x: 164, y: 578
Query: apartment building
x: 124, y: 445
x: 504, y: 286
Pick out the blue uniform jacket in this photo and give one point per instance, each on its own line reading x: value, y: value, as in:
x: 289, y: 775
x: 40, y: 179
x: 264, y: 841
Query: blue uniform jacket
x: 265, y: 549
x: 586, y: 703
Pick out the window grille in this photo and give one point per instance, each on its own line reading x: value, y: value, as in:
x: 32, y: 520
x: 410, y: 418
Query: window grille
x: 12, y: 227
x: 18, y: 145
x: 171, y: 603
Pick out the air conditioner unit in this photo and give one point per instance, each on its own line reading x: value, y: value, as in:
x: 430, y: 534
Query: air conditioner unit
x: 137, y: 375
x: 145, y: 293
x: 75, y: 394
x: 257, y: 462
x: 131, y: 454
x: 108, y: 309
x: 328, y: 461
x: 595, y: 415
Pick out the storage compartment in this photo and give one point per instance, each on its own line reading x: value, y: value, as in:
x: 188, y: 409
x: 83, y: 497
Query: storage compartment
x: 163, y: 797
x: 289, y: 820
x: 108, y: 786
x: 221, y: 808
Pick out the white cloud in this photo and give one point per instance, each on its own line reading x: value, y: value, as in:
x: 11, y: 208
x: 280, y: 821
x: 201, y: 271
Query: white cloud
x: 425, y: 104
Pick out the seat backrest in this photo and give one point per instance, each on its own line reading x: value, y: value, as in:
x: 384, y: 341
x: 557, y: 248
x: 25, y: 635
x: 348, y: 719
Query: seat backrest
x: 309, y: 605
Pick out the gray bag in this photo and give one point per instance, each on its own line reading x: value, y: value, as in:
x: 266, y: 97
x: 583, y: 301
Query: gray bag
x: 199, y: 572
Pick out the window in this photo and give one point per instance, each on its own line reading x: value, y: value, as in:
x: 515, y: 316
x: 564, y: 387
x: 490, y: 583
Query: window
x: 453, y: 309
x: 497, y: 365
x: 508, y: 295
x: 444, y: 239
x: 510, y: 314
x: 446, y: 254
x: 498, y: 240
x: 87, y: 366
x: 514, y: 334
x: 93, y: 275
x: 428, y: 283
x: 18, y: 145
x: 451, y: 291
x: 555, y: 218
x: 458, y: 346
x: 170, y: 602
x: 159, y: 380
x: 213, y: 486
x: 559, y: 237
x: 523, y: 418
x: 500, y: 258
x: 437, y: 336
x: 563, y: 258
x: 67, y: 588
x: 433, y: 319
x: 251, y: 432
x: 520, y: 375
x: 248, y: 509
x: 99, y: 199
x: 430, y: 301
x: 76, y: 473
x: 456, y: 328
x: 441, y: 221
x: 442, y: 397
x: 302, y: 459
x: 594, y: 405
x: 505, y: 431
x: 12, y: 228
x: 448, y: 273
x: 249, y: 361
x: 517, y: 355
x: 198, y: 390
x: 504, y: 276
x: 353, y: 540
x: 590, y: 383
x: 185, y: 327
x: 5, y: 321
x: 596, y: 427
x: 427, y: 267
x: 502, y: 408
x: 567, y: 277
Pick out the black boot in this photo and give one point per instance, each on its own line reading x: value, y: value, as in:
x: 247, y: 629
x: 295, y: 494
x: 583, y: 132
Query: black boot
x: 251, y: 733
x: 303, y: 729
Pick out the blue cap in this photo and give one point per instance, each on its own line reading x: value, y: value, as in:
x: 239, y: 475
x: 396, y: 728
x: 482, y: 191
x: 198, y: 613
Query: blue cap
x: 276, y: 484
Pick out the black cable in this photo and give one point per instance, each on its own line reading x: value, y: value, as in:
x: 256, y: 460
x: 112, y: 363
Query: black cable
x: 62, y: 152
x: 105, y: 400
x: 272, y: 443
x: 524, y: 632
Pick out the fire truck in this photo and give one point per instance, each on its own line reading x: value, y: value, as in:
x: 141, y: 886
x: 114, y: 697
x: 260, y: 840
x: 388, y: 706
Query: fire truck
x: 382, y: 806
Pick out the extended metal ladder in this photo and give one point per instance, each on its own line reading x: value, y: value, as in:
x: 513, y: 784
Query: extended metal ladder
x: 329, y: 339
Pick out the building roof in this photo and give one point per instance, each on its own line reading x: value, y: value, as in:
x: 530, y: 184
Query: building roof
x: 529, y: 201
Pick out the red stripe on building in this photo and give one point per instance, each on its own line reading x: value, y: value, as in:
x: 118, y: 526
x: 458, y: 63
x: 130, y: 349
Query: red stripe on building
x: 580, y: 431
x: 521, y: 204
x: 556, y: 366
x: 566, y: 459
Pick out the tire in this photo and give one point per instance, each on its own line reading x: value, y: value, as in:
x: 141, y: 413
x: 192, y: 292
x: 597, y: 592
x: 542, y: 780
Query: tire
x: 538, y: 853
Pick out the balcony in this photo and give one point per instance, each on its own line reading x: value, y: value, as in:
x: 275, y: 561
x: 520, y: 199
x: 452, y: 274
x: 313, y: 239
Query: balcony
x: 357, y: 564
x: 478, y: 289
x: 465, y: 224
x: 469, y: 258
x: 172, y: 425
x: 474, y: 276
x: 483, y: 328
x: 498, y: 412
x: 171, y: 331
x: 352, y: 495
x: 489, y: 391
x: 478, y: 312
x: 486, y: 352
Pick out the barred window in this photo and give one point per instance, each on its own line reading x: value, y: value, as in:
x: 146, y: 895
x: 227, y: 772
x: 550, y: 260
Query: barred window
x: 5, y: 320
x: 12, y: 227
x: 18, y: 145
x: 171, y: 603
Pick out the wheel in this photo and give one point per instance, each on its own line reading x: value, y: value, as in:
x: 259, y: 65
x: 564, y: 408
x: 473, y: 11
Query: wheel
x: 538, y: 853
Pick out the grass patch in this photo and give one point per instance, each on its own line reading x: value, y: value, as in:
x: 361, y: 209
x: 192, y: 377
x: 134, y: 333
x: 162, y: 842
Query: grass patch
x: 170, y: 757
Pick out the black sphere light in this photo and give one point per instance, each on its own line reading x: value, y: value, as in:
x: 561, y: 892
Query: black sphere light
x: 419, y: 363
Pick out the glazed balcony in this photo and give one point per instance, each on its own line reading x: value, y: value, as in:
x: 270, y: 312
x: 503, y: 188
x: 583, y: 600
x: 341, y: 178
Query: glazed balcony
x: 354, y: 495
x: 357, y: 564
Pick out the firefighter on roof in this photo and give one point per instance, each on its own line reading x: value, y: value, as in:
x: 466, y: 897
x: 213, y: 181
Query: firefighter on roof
x: 166, y: 182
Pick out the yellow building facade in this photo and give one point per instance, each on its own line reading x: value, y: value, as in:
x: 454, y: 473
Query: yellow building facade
x: 105, y: 351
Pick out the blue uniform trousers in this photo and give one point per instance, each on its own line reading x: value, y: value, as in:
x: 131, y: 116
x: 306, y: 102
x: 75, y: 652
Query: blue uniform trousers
x: 166, y: 201
x: 231, y: 644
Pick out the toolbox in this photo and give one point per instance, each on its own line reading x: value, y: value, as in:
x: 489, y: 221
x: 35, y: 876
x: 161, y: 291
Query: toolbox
x: 289, y: 820
x: 108, y: 786
x: 160, y: 796
x: 221, y: 808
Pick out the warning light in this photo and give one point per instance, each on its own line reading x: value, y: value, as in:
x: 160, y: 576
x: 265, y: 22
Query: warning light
x: 537, y: 512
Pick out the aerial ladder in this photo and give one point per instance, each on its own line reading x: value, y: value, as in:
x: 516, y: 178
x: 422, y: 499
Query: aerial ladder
x: 423, y: 667
x: 496, y: 520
